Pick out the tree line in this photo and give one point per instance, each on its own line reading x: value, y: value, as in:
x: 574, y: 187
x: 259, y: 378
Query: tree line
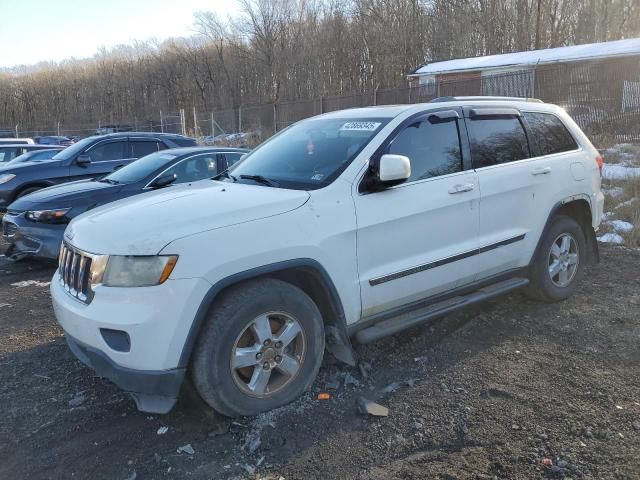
x: 278, y: 50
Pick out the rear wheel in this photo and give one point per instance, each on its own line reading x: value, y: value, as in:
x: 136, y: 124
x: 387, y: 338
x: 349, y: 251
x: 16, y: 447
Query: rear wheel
x: 559, y: 262
x: 261, y: 348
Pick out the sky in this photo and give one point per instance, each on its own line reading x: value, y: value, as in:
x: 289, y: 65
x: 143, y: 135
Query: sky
x: 32, y: 31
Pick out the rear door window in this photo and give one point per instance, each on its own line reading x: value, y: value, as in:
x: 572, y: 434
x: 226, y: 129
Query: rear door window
x: 496, y: 139
x: 549, y: 133
x: 432, y: 145
x: 141, y: 148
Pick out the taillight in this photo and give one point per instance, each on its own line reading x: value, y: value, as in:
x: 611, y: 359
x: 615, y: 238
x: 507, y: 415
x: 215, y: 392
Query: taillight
x: 600, y: 162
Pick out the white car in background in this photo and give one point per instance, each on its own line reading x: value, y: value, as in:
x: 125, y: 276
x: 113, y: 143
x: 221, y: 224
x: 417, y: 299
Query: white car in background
x: 355, y: 224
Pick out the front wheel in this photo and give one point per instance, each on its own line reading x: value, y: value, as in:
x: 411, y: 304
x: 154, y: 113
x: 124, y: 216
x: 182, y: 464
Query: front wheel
x: 261, y: 348
x: 559, y: 262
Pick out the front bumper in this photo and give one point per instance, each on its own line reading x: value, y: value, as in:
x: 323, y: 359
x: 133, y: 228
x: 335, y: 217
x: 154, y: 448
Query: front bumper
x: 153, y: 391
x: 155, y: 322
x: 31, y: 239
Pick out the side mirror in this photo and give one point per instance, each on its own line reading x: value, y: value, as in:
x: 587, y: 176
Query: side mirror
x: 83, y: 160
x: 394, y: 169
x: 163, y: 180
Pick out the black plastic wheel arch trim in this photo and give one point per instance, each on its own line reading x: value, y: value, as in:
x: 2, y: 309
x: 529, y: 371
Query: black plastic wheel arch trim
x: 214, y: 291
x: 590, y: 234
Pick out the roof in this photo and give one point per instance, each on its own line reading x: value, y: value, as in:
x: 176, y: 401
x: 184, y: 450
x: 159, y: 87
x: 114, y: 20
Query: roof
x: 188, y: 150
x: 141, y: 134
x: 378, y: 111
x: 618, y: 48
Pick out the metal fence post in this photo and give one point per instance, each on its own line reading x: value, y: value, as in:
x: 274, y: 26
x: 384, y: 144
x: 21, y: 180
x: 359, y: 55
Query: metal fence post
x: 182, y: 122
x: 161, y: 123
x: 17, y: 133
x: 58, y: 129
x: 275, y: 118
x: 240, y: 119
x: 195, y: 122
x: 375, y: 97
x: 213, y: 125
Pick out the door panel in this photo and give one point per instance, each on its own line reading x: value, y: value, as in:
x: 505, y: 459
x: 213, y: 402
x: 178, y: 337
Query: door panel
x: 511, y: 200
x: 404, y: 231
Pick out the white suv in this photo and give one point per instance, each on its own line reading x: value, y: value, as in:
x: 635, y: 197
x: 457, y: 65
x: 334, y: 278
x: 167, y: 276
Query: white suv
x: 351, y: 225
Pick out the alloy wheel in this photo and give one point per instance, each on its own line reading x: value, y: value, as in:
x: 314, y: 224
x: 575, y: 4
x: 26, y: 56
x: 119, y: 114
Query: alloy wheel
x: 563, y: 260
x: 268, y: 354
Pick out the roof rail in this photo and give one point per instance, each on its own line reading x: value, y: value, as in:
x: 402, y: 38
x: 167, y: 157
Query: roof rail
x: 484, y: 98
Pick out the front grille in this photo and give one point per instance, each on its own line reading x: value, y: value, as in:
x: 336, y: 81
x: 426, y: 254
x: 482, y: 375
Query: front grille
x: 75, y: 269
x: 9, y: 228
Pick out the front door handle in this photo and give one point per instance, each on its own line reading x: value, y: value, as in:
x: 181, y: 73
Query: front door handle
x: 541, y: 171
x: 467, y: 187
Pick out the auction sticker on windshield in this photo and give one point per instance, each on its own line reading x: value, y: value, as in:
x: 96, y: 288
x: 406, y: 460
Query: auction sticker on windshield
x: 360, y: 126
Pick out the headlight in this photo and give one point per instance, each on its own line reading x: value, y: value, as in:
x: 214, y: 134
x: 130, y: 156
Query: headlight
x: 7, y: 177
x: 134, y: 271
x: 47, y: 215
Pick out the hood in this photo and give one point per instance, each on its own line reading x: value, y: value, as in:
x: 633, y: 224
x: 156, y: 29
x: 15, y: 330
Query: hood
x: 144, y: 224
x: 66, y: 195
x: 26, y: 166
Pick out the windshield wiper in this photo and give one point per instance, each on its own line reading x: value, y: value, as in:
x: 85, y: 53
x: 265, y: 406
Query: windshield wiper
x: 261, y: 179
x: 225, y: 174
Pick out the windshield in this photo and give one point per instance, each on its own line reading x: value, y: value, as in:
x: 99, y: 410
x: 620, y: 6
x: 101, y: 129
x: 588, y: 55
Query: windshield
x: 310, y: 154
x: 74, y: 149
x: 141, y: 168
x: 34, y: 156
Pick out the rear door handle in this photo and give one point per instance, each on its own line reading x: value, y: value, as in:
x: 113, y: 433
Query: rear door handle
x: 541, y: 171
x: 467, y: 187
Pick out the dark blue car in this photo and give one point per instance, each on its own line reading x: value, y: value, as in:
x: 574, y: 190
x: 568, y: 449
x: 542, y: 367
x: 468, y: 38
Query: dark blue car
x: 33, y: 225
x: 89, y: 158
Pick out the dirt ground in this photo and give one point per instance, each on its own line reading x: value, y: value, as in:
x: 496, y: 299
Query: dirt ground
x: 513, y: 389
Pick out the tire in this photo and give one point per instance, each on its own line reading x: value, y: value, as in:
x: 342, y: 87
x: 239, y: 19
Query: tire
x: 234, y: 329
x: 546, y: 287
x: 27, y: 191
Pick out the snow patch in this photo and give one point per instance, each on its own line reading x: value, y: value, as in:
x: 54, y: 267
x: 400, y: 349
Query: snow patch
x: 626, y: 203
x: 613, y: 238
x: 619, y: 172
x: 621, y: 225
x: 28, y: 283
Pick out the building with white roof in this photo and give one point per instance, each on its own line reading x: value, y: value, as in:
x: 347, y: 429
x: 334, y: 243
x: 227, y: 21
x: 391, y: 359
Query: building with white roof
x: 527, y: 73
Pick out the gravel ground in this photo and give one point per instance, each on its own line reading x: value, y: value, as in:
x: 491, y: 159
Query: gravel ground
x: 513, y: 389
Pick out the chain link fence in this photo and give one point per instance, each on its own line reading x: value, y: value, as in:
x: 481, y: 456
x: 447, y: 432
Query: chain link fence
x: 602, y: 96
